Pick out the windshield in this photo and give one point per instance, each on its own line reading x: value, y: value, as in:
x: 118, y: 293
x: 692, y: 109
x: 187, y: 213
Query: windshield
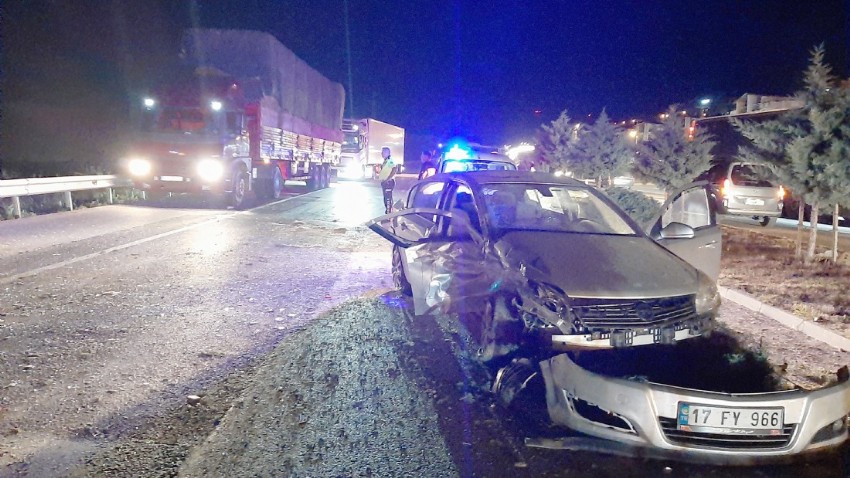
x: 351, y: 142
x: 545, y: 207
x: 179, y: 120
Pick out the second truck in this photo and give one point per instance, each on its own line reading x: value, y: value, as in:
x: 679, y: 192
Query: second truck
x: 246, y: 115
x: 362, y: 143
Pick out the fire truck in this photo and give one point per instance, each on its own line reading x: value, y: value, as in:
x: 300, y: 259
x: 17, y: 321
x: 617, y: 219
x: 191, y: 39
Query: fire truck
x: 245, y: 116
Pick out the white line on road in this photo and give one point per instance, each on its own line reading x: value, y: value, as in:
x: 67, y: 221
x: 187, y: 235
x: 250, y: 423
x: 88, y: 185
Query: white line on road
x: 50, y: 267
x: 38, y: 270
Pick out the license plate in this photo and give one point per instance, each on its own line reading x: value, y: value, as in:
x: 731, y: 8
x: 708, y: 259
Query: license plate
x: 171, y: 178
x: 694, y: 417
x: 755, y: 202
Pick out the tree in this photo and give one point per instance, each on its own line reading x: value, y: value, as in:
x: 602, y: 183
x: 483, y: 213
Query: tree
x: 670, y: 158
x: 601, y: 151
x: 769, y: 146
x: 808, y: 148
x: 556, y: 141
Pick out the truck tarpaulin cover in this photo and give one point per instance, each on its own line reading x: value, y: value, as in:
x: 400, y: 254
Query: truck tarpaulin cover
x: 300, y: 90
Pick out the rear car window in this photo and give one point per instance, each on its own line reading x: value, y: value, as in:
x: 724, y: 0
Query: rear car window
x: 751, y: 175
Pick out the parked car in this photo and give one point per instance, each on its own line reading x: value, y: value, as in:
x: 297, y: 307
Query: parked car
x: 543, y: 269
x: 745, y: 189
x: 564, y: 259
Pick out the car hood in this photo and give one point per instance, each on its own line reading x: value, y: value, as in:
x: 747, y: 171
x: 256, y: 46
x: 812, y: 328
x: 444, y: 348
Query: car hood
x: 601, y: 266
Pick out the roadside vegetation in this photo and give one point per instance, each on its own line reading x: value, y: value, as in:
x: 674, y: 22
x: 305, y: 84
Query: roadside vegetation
x: 764, y: 266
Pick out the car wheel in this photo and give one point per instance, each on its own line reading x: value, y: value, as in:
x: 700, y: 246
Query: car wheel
x: 239, y: 187
x: 399, y: 278
x: 766, y: 221
x: 513, y: 379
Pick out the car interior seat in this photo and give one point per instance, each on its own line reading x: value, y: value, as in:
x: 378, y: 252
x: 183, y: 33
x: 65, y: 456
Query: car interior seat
x: 463, y: 201
x: 503, y: 209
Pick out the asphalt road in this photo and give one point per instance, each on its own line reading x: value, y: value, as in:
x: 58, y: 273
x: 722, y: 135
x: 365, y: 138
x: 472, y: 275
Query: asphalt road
x: 111, y: 319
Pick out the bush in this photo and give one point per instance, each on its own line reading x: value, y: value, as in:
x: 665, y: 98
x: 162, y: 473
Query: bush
x: 638, y: 205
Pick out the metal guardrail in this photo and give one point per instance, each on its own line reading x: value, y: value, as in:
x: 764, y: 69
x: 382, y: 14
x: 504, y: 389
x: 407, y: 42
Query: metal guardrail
x: 15, y: 188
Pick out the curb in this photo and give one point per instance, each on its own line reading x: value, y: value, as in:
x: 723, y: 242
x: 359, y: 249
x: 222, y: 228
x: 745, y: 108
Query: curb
x: 787, y: 319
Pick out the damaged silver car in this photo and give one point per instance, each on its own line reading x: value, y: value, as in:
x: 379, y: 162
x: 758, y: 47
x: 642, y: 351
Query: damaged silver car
x: 524, y: 257
x: 542, y: 269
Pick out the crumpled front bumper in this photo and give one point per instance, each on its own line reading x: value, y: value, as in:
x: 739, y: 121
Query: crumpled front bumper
x: 643, y: 415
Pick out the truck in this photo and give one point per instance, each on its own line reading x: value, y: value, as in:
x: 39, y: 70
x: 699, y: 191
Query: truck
x: 244, y: 116
x: 362, y: 142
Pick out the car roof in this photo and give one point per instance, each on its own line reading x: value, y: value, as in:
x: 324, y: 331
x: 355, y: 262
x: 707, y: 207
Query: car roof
x: 490, y: 177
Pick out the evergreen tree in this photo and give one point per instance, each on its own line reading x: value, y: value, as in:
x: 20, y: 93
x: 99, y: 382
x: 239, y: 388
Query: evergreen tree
x: 769, y: 146
x: 672, y: 159
x: 556, y: 142
x: 601, y: 151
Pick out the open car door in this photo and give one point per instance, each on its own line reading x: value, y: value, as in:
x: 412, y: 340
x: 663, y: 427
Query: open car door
x: 687, y: 226
x: 430, y: 242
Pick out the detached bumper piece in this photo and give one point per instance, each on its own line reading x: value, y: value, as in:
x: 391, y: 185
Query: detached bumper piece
x: 651, y: 419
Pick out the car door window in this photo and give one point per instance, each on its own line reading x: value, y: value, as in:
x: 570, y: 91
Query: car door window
x: 461, y: 199
x: 426, y: 195
x: 692, y: 208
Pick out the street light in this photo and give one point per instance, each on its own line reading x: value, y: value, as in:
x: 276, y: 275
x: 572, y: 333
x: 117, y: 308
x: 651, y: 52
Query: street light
x: 705, y: 101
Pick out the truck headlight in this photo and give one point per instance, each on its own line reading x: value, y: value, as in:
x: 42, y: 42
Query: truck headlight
x: 139, y: 167
x: 708, y: 298
x: 210, y: 170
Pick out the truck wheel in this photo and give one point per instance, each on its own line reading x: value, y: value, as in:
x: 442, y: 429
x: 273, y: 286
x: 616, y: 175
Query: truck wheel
x: 276, y: 184
x: 313, y: 180
x: 326, y: 176
x: 239, y: 187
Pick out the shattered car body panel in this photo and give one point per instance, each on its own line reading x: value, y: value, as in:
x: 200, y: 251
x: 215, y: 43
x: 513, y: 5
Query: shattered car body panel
x: 768, y: 426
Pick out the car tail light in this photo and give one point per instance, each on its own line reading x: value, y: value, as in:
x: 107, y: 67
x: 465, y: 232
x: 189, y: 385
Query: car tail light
x: 727, y: 183
x: 781, y: 192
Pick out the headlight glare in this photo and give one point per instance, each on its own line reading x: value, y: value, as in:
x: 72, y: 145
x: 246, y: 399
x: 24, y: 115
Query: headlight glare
x: 708, y: 298
x: 139, y: 167
x: 210, y: 170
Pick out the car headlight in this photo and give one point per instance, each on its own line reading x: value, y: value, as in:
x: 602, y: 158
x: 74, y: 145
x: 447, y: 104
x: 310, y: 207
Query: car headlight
x: 210, y: 170
x: 708, y: 298
x: 139, y: 167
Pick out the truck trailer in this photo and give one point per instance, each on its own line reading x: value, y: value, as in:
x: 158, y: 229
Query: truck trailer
x: 362, y: 143
x: 246, y: 115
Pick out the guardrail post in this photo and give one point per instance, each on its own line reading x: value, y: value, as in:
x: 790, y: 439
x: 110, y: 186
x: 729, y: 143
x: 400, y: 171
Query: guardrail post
x: 16, y: 207
x: 110, y: 198
x: 69, y: 203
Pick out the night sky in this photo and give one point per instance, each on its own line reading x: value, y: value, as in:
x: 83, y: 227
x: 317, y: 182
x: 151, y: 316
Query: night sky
x: 440, y: 67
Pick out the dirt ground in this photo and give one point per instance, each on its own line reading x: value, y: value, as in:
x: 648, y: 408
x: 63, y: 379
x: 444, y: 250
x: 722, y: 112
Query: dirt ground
x: 764, y: 266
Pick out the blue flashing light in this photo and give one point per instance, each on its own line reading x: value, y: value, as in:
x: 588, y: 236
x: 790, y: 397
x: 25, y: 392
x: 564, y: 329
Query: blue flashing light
x: 457, y: 152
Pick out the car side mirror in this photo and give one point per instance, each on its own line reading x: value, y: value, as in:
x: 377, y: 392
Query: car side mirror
x: 398, y: 205
x: 677, y: 230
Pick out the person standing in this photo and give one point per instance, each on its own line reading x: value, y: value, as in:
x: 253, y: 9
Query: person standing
x: 387, y: 178
x: 428, y: 167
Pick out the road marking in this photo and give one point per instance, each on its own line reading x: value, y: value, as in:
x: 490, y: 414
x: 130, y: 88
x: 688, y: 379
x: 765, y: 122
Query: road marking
x: 50, y: 267
x: 38, y: 270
